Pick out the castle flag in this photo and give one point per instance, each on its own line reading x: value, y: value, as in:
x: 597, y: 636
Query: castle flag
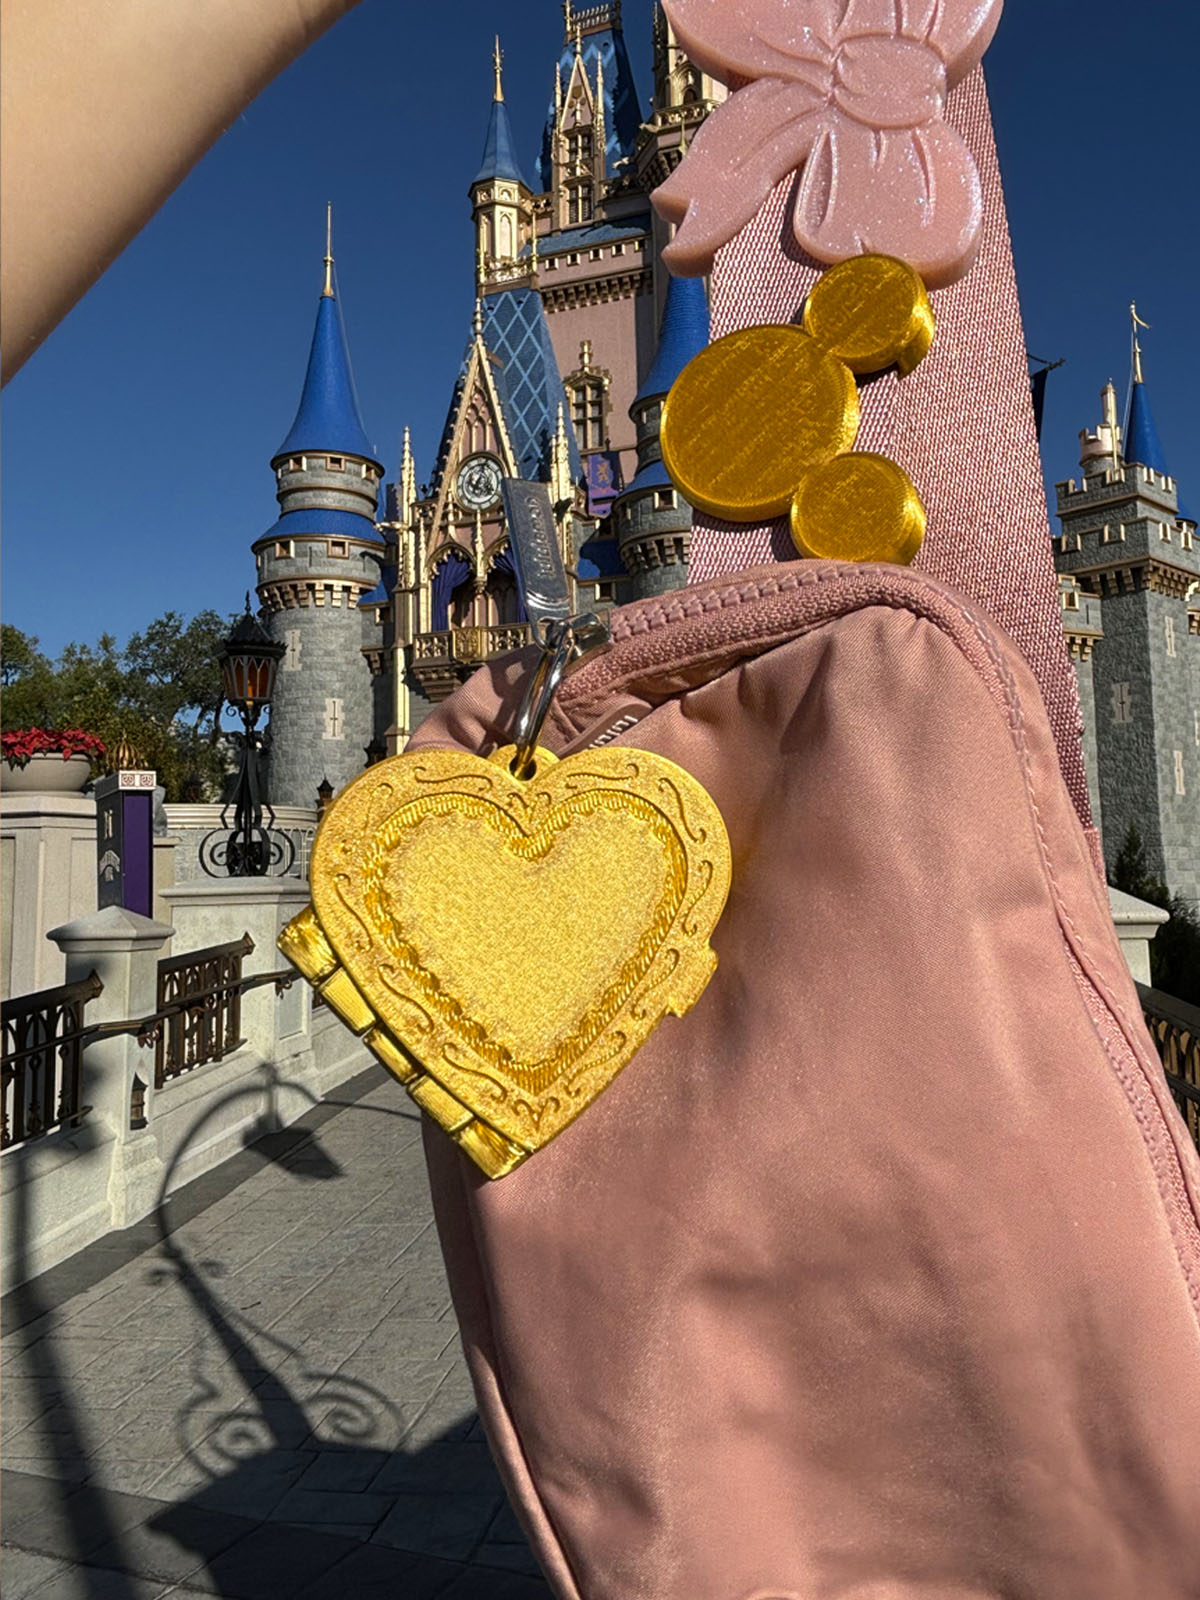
x: 603, y: 481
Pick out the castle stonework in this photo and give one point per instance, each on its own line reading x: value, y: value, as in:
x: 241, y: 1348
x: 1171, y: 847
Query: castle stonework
x: 316, y: 565
x: 1130, y: 582
x: 573, y: 319
x: 576, y: 336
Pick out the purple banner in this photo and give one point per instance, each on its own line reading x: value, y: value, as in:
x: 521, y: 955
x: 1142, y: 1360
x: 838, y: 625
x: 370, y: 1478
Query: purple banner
x: 603, y: 481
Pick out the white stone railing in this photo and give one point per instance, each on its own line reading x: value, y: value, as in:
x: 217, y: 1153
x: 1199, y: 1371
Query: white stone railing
x: 190, y: 825
x: 74, y: 1183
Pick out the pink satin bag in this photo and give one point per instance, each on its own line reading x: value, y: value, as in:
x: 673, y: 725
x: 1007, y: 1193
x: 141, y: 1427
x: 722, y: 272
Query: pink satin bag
x: 876, y: 1276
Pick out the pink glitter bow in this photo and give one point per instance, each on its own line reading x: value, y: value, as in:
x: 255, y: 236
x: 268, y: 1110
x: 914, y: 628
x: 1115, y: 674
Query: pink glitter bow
x: 854, y: 92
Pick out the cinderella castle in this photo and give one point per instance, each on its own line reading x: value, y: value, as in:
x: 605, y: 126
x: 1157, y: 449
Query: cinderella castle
x: 576, y: 334
x: 575, y: 337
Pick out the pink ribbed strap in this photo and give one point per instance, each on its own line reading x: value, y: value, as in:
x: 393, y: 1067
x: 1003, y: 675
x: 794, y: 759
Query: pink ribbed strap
x: 961, y: 425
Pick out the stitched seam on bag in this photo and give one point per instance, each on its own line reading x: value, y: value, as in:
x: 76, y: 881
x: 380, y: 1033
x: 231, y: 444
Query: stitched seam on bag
x: 529, y: 1487
x: 937, y: 606
x: 715, y: 600
x: 869, y: 585
x: 1172, y: 1187
x: 573, y: 716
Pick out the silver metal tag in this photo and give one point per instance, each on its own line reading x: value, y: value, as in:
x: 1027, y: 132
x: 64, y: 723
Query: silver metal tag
x: 533, y: 539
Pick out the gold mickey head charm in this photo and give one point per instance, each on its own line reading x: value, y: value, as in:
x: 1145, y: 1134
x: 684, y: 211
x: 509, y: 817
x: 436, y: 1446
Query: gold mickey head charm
x: 759, y: 422
x: 871, y: 312
x: 749, y: 415
x: 858, y: 507
x: 506, y: 945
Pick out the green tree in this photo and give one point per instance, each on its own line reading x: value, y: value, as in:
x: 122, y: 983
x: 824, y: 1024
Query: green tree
x: 161, y: 693
x: 1175, y: 950
x: 19, y: 656
x: 175, y: 665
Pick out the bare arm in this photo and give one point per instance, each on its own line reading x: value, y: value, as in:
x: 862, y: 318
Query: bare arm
x: 107, y: 104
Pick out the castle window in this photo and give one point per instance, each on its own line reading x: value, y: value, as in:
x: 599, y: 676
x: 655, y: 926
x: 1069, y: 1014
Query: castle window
x: 337, y: 547
x: 1164, y: 532
x: 1122, y: 703
x: 1185, y: 537
x: 336, y: 464
x: 296, y: 464
x: 594, y: 255
x: 1112, y: 535
x: 606, y: 591
x: 664, y: 499
x: 618, y: 249
x: 284, y: 550
x: 588, y: 412
x: 1180, y: 786
x: 573, y: 259
x: 579, y: 204
x: 579, y: 150
x: 1071, y: 600
x: 1170, y: 622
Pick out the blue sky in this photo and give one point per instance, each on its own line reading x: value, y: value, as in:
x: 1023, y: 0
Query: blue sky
x: 137, y: 440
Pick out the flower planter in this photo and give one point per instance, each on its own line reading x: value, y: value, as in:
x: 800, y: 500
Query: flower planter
x: 46, y: 774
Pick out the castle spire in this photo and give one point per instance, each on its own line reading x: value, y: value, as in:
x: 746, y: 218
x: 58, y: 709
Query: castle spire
x: 408, y: 480
x: 682, y: 334
x: 1137, y: 323
x: 1141, y: 436
x: 500, y: 148
x: 328, y: 418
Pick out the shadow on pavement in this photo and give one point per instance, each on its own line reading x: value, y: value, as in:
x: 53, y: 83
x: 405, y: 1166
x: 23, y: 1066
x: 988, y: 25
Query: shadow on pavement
x: 369, y: 1516
x: 369, y: 1519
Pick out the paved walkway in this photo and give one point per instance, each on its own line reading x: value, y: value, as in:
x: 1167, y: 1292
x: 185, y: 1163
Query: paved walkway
x: 258, y: 1394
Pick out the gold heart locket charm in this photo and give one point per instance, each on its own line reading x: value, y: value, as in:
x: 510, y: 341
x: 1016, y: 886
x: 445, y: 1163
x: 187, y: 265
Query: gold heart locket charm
x: 507, y: 933
x: 506, y: 944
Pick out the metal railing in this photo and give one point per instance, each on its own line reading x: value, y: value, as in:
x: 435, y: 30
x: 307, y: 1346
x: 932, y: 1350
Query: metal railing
x: 199, y: 1008
x: 1175, y: 1028
x: 197, y: 1021
x: 469, y: 644
x: 43, y: 1047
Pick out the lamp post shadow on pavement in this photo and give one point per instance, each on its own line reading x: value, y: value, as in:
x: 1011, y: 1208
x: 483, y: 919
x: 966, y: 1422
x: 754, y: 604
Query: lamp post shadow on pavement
x: 293, y: 1478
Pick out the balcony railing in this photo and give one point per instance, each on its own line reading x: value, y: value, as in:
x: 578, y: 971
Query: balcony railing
x: 43, y: 1047
x: 198, y: 1020
x: 1175, y: 1028
x: 470, y: 645
x: 200, y: 1006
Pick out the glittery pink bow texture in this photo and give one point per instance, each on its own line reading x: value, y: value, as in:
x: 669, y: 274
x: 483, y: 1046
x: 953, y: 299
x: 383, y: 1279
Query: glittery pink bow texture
x: 854, y: 93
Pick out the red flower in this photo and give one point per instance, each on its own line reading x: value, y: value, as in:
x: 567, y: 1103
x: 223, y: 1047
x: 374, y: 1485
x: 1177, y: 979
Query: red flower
x: 17, y: 747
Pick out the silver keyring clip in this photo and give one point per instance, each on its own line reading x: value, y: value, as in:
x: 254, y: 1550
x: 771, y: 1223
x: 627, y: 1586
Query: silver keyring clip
x: 537, y: 548
x: 557, y: 645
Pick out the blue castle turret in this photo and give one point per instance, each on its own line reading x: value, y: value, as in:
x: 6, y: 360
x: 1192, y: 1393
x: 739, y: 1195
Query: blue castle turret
x: 1130, y: 574
x: 1141, y: 436
x: 499, y: 148
x: 653, y: 521
x: 315, y: 564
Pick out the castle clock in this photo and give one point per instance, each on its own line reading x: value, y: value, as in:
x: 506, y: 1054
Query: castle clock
x: 478, y: 483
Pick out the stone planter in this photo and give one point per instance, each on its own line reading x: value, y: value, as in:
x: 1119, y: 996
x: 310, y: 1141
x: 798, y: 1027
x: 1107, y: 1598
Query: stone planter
x: 46, y: 774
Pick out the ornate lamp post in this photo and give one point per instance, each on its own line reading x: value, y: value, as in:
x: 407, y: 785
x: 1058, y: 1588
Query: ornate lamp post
x: 249, y: 662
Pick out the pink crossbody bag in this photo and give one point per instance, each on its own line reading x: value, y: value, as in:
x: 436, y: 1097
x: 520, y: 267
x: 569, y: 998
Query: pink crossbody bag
x: 877, y: 1275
